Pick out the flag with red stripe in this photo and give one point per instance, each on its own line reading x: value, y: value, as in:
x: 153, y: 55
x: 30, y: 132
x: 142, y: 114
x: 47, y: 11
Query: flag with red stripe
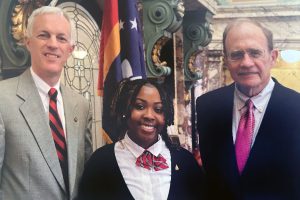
x: 121, y: 54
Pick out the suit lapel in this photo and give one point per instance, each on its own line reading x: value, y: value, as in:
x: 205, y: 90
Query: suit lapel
x: 228, y: 161
x: 37, y: 120
x: 71, y: 115
x: 266, y: 129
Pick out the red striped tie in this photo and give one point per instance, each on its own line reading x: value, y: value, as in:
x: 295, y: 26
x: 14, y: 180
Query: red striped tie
x: 58, y: 135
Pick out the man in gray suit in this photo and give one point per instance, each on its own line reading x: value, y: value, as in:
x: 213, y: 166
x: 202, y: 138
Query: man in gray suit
x: 30, y: 161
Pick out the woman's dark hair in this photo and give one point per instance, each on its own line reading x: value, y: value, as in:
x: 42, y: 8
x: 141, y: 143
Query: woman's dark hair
x: 124, y: 99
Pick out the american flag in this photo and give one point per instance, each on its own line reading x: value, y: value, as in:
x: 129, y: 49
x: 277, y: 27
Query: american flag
x: 121, y: 54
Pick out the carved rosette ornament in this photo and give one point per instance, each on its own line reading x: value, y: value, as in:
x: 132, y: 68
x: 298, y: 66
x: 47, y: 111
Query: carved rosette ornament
x: 161, y: 18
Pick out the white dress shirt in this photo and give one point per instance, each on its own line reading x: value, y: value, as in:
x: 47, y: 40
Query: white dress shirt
x: 43, y: 89
x: 142, y: 183
x: 260, y: 103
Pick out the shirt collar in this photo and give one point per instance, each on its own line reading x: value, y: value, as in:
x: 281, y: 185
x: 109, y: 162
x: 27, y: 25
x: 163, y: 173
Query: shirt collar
x: 42, y: 86
x: 258, y: 100
x: 137, y: 150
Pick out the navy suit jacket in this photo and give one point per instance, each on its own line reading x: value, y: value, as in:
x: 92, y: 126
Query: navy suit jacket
x: 102, y: 178
x: 272, y: 170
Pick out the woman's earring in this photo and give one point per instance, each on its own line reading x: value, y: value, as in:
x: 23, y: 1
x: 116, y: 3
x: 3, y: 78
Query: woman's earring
x: 123, y: 116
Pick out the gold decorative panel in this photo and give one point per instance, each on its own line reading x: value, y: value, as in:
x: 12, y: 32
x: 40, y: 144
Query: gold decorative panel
x: 287, y: 74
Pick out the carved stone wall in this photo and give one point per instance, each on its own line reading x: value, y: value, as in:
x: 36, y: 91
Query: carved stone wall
x: 283, y: 19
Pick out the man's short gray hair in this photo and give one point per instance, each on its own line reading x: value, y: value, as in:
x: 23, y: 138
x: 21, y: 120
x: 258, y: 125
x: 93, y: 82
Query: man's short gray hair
x: 50, y: 10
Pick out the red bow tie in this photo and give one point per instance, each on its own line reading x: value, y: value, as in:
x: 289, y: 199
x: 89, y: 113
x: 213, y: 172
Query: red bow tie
x: 148, y: 160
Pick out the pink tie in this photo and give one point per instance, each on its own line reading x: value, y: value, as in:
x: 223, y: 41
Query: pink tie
x: 244, y: 136
x: 148, y: 160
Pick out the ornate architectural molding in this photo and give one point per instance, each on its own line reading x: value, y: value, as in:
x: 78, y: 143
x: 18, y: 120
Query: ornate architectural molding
x: 210, y: 5
x: 19, y: 18
x: 197, y: 34
x: 259, y: 10
x: 161, y: 18
x: 13, y: 15
x: 282, y: 18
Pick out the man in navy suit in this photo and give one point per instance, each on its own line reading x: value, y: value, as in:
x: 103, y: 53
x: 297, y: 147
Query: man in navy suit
x: 272, y: 167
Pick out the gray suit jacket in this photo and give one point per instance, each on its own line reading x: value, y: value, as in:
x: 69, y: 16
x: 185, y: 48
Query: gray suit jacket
x: 29, y: 165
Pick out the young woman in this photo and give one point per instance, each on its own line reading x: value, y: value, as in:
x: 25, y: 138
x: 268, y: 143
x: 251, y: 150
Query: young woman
x: 144, y: 163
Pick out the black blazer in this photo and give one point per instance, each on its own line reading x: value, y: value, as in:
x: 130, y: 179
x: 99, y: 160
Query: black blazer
x: 102, y: 178
x: 273, y: 167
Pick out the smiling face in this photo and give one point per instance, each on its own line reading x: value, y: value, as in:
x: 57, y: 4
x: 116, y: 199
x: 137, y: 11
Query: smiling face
x: 251, y: 72
x: 49, y: 46
x: 147, y: 117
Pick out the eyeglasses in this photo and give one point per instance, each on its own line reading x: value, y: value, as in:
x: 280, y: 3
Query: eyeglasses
x: 239, y: 54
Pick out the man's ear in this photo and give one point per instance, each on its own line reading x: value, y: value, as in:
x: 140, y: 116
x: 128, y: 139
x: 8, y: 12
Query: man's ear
x: 225, y: 61
x: 27, y: 43
x: 72, y: 48
x: 274, y: 56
